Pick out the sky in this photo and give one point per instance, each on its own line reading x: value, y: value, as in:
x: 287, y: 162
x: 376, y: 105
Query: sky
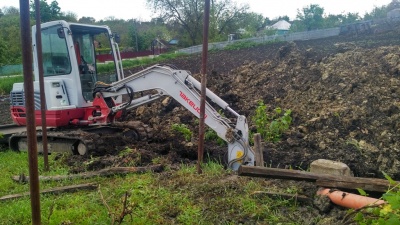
x: 136, y: 9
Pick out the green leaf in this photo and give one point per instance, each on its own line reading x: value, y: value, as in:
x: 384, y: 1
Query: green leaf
x: 393, y: 220
x: 359, y: 216
x: 393, y: 200
x: 362, y: 192
x: 391, y: 181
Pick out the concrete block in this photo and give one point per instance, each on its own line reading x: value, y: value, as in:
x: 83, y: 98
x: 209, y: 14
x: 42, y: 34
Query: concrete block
x: 324, y: 166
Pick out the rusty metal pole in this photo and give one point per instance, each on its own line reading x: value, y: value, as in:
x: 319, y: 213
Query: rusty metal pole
x: 30, y: 110
x: 200, y: 150
x: 41, y: 85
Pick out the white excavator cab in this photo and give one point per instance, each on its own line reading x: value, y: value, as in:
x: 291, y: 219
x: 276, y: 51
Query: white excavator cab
x: 71, y: 52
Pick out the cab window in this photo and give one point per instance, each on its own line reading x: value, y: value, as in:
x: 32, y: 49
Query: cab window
x: 55, y: 52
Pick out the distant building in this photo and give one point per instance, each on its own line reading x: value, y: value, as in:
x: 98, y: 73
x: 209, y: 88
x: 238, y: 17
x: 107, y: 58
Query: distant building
x: 281, y: 27
x: 173, y: 42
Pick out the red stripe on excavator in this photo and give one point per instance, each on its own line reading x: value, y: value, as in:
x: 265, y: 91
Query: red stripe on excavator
x: 54, y: 118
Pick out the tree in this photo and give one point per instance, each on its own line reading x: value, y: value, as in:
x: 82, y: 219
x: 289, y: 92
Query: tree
x: 333, y: 21
x: 87, y: 20
x: 228, y: 17
x: 3, y: 53
x: 11, y: 10
x: 10, y: 35
x: 350, y: 18
x: 311, y: 17
x: 188, y: 15
x: 69, y: 16
x: 252, y: 22
x: 47, y: 12
x: 394, y: 4
x: 377, y: 12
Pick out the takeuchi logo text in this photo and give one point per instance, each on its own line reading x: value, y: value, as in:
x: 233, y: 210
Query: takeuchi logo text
x: 191, y: 103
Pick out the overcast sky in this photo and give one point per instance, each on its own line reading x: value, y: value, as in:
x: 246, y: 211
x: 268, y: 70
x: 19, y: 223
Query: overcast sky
x: 136, y: 9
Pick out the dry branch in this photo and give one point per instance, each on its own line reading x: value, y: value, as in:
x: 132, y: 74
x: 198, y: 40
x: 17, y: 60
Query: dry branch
x: 57, y: 190
x: 325, y: 180
x: 103, y: 172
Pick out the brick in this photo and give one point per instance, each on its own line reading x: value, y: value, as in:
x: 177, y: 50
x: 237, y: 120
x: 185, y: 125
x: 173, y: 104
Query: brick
x: 324, y: 166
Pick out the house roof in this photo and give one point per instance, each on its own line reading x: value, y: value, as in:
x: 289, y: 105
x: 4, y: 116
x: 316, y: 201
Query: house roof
x: 281, y: 25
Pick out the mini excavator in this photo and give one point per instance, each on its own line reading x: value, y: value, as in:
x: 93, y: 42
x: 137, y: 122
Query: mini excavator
x: 82, y: 101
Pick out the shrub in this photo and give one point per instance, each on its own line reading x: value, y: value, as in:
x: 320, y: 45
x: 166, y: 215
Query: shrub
x: 272, y: 126
x: 6, y: 83
x: 385, y: 214
x: 211, y: 135
x: 184, y: 130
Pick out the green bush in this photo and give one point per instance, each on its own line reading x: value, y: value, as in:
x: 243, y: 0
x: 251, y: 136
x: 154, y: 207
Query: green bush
x: 211, y: 135
x: 184, y: 130
x: 387, y: 214
x: 272, y: 126
x: 247, y: 44
x: 241, y: 44
x: 6, y: 83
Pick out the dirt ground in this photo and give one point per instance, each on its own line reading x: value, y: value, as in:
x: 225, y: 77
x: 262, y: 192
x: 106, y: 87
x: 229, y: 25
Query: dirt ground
x: 344, y: 93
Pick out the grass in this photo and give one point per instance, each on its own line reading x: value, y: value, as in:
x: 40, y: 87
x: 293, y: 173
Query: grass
x: 143, y: 61
x: 171, y: 197
x: 247, y: 44
x: 7, y: 82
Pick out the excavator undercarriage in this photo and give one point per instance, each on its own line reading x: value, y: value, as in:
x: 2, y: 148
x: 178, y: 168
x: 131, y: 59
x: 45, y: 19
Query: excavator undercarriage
x: 89, y: 140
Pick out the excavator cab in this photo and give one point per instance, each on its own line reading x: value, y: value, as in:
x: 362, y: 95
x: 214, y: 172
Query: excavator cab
x: 72, y: 64
x: 83, y: 54
x: 89, y: 44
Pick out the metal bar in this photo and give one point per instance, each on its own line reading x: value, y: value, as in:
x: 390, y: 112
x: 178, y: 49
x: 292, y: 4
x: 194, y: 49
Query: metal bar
x: 30, y: 110
x: 200, y: 150
x: 41, y: 85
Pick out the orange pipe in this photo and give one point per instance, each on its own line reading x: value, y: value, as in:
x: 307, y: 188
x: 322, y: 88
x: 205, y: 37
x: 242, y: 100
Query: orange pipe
x: 349, y: 200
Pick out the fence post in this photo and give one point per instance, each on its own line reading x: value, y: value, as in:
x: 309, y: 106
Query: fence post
x: 258, y: 149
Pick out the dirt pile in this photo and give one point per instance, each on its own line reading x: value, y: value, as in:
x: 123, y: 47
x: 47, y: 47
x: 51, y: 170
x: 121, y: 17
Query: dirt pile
x: 345, y: 107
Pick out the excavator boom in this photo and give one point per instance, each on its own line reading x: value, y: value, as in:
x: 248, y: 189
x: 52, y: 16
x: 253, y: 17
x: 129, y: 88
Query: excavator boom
x: 185, y: 89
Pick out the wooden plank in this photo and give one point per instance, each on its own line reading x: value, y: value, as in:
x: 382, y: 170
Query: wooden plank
x: 258, y: 150
x: 104, y: 172
x: 325, y: 180
x: 57, y: 190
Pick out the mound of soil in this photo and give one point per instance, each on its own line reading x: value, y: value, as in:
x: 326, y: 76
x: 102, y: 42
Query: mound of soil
x: 343, y: 93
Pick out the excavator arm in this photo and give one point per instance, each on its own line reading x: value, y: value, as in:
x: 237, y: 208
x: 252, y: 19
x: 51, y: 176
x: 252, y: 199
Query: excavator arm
x: 181, y: 86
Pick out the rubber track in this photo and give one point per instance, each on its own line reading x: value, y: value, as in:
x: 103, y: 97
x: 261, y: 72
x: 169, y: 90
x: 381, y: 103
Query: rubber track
x: 89, y: 137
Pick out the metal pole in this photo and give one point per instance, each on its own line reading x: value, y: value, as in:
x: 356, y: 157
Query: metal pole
x: 137, y: 45
x: 41, y: 85
x: 203, y: 85
x: 30, y: 110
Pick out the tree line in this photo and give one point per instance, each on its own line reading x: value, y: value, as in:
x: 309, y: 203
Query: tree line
x: 182, y: 20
